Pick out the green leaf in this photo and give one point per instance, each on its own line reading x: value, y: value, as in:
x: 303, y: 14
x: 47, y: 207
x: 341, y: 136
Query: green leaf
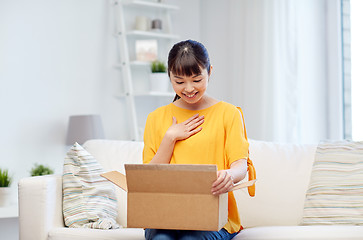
x: 5, y: 179
x: 40, y: 170
x: 158, y: 66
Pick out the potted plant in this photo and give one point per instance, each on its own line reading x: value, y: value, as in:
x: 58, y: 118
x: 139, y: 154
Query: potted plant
x: 159, y: 79
x: 40, y: 170
x: 5, y: 181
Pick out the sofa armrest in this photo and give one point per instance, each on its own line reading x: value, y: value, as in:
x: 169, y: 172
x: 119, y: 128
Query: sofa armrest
x: 40, y: 206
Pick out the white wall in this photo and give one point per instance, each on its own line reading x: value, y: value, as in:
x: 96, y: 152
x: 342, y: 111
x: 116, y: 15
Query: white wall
x: 56, y: 60
x: 281, y: 62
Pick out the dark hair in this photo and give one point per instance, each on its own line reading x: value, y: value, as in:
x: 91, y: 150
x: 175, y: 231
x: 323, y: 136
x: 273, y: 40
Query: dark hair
x: 186, y: 58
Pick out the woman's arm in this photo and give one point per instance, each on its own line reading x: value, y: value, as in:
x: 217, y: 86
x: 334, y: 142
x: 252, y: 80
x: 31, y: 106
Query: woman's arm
x: 176, y: 132
x: 227, y: 178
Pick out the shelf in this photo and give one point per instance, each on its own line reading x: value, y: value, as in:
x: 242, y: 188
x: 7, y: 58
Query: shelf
x: 140, y: 64
x: 135, y: 64
x: 137, y: 71
x: 149, y: 94
x: 10, y: 211
x: 160, y: 94
x: 140, y: 3
x: 137, y: 33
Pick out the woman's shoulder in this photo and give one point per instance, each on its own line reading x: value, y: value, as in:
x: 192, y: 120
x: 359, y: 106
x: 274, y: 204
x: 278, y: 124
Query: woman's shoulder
x: 228, y: 107
x: 160, y: 111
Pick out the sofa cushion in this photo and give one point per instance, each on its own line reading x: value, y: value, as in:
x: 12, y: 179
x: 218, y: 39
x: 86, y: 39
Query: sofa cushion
x: 302, y: 232
x: 113, y: 154
x: 335, y: 194
x: 96, y: 234
x: 283, y: 173
x: 89, y: 200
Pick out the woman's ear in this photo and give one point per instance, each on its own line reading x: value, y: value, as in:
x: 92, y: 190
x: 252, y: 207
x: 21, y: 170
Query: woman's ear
x: 210, y: 71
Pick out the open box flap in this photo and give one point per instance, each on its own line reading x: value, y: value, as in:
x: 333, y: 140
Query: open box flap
x: 179, y: 179
x: 117, y: 178
x: 243, y: 184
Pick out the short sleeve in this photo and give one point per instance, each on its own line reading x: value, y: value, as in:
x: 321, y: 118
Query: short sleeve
x: 236, y: 144
x: 149, y: 140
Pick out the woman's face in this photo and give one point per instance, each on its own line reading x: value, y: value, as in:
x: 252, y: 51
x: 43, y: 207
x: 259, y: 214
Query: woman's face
x: 190, y: 89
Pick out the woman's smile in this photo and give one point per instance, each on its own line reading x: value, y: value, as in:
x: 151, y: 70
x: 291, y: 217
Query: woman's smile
x: 192, y: 95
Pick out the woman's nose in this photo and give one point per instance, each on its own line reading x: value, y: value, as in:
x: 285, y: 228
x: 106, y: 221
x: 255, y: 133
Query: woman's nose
x: 189, y: 88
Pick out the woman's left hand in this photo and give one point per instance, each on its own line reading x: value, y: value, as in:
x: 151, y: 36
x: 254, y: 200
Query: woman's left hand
x: 223, y: 184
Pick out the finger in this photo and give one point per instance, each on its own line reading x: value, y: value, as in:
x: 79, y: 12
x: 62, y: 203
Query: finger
x: 196, y: 124
x: 225, y: 185
x: 194, y: 120
x: 174, y: 121
x: 224, y: 189
x: 191, y: 118
x: 220, y: 177
x: 195, y: 131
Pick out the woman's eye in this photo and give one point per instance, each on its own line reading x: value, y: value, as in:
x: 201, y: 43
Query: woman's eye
x: 198, y: 80
x: 178, y: 82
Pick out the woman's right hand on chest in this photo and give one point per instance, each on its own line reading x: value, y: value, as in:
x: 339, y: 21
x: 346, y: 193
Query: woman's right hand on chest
x: 180, y: 131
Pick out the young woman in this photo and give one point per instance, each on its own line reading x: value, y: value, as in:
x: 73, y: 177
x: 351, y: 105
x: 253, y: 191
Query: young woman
x: 197, y: 129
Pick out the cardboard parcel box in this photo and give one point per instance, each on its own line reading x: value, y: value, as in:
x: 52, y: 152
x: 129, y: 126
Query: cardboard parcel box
x: 172, y: 196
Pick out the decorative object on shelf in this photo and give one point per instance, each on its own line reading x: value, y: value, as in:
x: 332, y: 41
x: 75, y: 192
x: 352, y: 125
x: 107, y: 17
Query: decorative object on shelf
x: 156, y: 25
x: 159, y: 79
x: 141, y: 23
x: 5, y: 191
x: 158, y: 67
x: 40, y: 170
x: 146, y: 50
x: 84, y: 127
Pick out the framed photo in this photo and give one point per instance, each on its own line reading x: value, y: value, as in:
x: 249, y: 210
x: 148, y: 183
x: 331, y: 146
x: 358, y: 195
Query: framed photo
x: 146, y: 50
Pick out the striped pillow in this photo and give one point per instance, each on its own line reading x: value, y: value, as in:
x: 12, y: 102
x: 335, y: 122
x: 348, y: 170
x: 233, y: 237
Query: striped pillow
x: 335, y: 194
x: 88, y: 199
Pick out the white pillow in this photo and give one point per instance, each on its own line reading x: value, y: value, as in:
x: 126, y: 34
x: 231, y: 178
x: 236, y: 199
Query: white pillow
x: 335, y: 194
x: 283, y: 174
x: 88, y: 199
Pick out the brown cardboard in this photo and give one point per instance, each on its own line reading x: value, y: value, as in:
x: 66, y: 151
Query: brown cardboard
x: 172, y: 196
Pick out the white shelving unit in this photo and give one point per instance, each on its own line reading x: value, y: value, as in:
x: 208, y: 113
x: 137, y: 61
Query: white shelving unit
x: 126, y: 37
x: 150, y: 4
x: 10, y: 211
x: 145, y: 34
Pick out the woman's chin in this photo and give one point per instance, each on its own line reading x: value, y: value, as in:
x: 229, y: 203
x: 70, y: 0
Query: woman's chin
x: 194, y: 100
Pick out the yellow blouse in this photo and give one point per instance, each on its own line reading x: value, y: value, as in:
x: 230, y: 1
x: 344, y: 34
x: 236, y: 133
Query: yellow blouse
x: 221, y: 142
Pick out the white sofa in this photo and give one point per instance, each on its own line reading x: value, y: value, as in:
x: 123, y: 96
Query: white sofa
x: 283, y: 173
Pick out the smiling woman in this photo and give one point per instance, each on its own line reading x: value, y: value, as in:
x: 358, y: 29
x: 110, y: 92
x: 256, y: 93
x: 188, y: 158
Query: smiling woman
x: 198, y: 129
